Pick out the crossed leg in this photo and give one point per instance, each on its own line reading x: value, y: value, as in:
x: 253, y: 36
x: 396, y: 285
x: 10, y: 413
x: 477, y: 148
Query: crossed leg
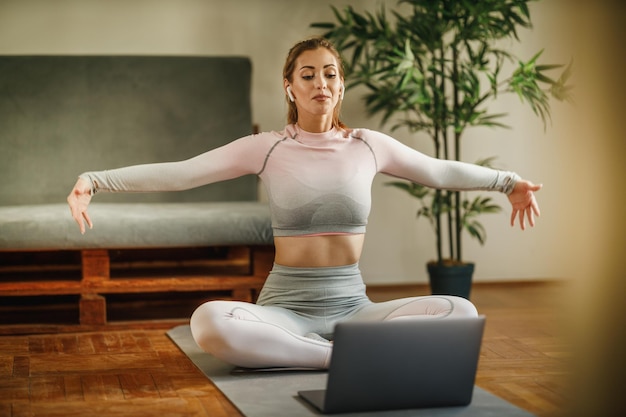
x: 415, y: 308
x: 255, y: 336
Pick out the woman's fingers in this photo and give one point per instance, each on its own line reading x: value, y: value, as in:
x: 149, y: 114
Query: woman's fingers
x: 78, y: 200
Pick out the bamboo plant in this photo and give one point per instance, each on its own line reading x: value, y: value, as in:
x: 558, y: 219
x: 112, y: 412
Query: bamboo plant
x: 433, y: 66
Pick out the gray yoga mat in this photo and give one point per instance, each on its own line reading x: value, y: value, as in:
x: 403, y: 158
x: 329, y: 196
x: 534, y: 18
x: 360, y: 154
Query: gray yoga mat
x: 274, y: 393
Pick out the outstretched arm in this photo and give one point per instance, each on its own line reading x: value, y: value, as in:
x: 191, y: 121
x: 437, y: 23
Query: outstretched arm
x: 523, y: 203
x: 399, y: 160
x: 240, y: 157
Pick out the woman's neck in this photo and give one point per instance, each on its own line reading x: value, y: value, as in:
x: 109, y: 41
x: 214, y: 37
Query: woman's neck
x: 315, y: 124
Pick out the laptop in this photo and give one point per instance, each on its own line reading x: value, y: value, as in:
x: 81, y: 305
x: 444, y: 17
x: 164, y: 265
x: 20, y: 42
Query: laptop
x: 400, y: 365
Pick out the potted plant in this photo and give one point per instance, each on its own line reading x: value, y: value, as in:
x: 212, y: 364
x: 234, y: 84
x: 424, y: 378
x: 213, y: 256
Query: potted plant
x: 434, y: 66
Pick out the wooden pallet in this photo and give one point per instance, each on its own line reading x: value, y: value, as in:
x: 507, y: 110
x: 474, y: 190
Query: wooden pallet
x: 234, y: 272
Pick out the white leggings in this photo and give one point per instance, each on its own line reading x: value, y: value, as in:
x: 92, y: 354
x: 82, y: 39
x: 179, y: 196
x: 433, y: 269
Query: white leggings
x: 296, y: 310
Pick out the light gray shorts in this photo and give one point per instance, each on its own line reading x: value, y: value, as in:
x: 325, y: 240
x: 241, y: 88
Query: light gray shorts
x: 322, y: 296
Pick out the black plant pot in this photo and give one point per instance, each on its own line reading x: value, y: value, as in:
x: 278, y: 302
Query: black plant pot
x: 450, y: 279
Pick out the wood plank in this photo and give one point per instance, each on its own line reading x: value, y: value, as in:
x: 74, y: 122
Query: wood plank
x: 98, y: 388
x: 13, y: 345
x: 14, y: 389
x: 21, y: 366
x: 138, y: 385
x: 47, y: 388
x: 218, y: 407
x: 41, y: 344
x: 243, y: 294
x: 262, y: 261
x: 164, y: 384
x: 232, y: 262
x: 66, y: 344
x: 96, y: 266
x: 193, y: 384
x: 170, y: 407
x: 130, y: 285
x: 173, y: 284
x: 73, y: 388
x: 92, y: 309
x: 108, y: 342
x: 40, y: 288
x: 6, y: 365
x: 35, y: 329
x: 103, y: 362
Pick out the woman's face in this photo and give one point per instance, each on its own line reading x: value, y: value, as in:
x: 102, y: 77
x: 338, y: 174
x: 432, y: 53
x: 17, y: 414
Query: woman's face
x: 317, y: 83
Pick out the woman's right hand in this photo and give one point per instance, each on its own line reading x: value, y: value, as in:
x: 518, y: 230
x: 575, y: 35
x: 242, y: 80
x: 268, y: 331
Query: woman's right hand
x: 78, y: 200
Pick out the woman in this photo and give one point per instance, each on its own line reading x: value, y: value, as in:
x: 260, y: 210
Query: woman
x: 318, y: 175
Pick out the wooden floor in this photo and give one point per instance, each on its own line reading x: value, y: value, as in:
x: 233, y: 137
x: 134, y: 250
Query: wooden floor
x: 140, y: 372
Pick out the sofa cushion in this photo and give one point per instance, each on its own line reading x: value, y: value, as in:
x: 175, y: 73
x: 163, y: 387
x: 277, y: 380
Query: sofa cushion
x: 141, y: 225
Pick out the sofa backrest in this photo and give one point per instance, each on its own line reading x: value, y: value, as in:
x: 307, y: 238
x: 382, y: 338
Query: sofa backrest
x: 63, y: 115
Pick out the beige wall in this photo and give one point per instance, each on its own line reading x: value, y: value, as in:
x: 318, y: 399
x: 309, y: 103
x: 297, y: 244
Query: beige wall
x: 397, y: 246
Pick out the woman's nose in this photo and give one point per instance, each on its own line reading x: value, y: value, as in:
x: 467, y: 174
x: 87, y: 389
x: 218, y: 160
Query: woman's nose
x: 320, y: 83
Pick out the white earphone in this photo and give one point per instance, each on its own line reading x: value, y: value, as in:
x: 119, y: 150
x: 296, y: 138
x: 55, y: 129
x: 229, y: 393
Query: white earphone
x: 343, y: 89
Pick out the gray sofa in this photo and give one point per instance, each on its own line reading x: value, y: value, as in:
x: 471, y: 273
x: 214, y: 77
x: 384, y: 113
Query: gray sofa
x: 63, y: 115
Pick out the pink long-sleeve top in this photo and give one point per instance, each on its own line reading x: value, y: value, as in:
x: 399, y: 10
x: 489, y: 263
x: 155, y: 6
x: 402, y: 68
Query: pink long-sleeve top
x: 317, y: 183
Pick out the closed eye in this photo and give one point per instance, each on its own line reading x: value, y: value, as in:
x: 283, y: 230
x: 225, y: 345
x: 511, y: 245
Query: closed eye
x: 310, y: 77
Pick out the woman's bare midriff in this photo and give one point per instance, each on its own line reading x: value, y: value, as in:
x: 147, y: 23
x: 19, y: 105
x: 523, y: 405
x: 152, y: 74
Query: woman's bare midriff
x: 318, y: 250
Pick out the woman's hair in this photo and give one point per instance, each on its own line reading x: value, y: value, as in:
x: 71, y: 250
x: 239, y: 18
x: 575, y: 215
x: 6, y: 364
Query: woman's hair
x: 290, y: 64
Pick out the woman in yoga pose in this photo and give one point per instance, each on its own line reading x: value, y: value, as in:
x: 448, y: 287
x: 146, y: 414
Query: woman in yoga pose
x: 318, y: 176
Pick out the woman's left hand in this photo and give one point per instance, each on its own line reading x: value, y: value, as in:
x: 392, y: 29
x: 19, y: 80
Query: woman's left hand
x: 523, y: 202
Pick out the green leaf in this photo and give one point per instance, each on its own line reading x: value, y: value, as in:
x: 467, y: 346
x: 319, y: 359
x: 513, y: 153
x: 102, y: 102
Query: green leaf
x: 540, y: 68
x: 477, y: 231
x: 415, y: 190
x: 322, y: 25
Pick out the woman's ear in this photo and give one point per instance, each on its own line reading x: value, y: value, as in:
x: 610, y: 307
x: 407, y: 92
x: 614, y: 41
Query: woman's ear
x: 288, y: 90
x: 343, y: 88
